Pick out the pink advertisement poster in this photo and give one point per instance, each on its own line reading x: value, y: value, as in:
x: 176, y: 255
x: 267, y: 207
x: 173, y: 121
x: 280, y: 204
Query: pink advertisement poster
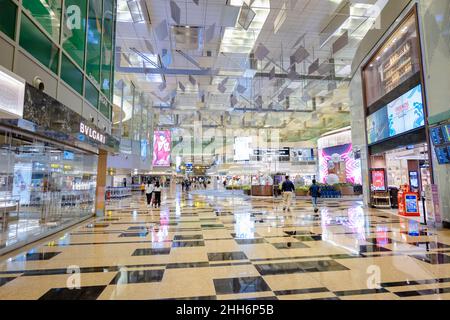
x: 161, y: 148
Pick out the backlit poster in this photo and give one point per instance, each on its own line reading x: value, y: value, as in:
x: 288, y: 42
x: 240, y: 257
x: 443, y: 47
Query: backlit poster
x: 377, y: 126
x: 337, y: 165
x: 378, y: 180
x: 242, y: 148
x: 143, y: 149
x: 411, y: 203
x: 406, y: 113
x: 162, y: 148
x: 22, y: 182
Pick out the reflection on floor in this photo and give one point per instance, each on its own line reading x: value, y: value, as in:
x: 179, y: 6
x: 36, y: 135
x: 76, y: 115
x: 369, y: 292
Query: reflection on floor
x: 30, y: 225
x: 207, y: 247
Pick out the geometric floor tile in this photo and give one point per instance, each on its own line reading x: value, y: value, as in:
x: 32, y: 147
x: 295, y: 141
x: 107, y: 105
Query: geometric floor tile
x: 84, y: 293
x: 138, y: 276
x: 240, y: 285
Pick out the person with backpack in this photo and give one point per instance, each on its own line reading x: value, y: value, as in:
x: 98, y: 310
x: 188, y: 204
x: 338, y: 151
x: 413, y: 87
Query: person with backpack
x: 288, y: 190
x: 157, y: 192
x: 314, y: 192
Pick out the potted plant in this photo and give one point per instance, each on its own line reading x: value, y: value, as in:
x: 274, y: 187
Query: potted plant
x: 247, y: 190
x: 301, y: 191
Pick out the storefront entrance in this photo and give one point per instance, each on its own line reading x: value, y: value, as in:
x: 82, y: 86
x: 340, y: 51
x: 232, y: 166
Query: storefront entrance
x: 43, y: 187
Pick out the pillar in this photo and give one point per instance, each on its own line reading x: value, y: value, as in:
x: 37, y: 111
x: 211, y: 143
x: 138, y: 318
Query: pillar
x: 101, y: 183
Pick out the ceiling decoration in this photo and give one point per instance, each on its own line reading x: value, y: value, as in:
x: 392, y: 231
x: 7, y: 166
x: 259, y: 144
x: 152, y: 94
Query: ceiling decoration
x: 280, y: 64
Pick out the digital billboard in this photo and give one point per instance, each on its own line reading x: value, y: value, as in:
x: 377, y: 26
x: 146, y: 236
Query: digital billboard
x: 337, y: 165
x: 162, y: 142
x: 377, y: 126
x: 406, y: 112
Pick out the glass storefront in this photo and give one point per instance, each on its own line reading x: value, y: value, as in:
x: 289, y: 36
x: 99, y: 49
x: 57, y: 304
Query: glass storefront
x: 43, y: 187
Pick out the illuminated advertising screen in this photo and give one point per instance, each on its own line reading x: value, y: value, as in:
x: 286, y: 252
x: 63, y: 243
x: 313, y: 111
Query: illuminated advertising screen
x: 377, y: 126
x: 337, y: 165
x: 378, y: 180
x: 162, y: 142
x: 302, y: 154
x: 406, y: 113
x: 411, y: 203
x: 22, y: 182
x: 178, y: 164
x: 242, y: 148
x: 144, y: 149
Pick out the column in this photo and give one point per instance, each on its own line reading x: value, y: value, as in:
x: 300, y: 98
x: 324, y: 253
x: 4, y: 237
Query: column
x: 101, y: 183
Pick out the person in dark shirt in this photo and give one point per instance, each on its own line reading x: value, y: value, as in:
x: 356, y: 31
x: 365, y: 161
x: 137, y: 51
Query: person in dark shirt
x: 314, y: 192
x: 288, y: 190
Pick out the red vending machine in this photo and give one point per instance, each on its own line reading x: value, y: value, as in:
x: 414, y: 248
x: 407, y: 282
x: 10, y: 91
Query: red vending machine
x: 408, y: 202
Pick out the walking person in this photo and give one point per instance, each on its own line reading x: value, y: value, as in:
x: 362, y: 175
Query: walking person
x: 157, y: 192
x: 288, y: 190
x: 314, y: 192
x: 149, y: 192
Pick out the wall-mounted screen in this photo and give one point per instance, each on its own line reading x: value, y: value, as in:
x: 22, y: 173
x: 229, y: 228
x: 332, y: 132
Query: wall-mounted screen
x: 443, y: 154
x: 406, y: 112
x: 162, y: 142
x: 414, y: 179
x: 446, y: 132
x: 302, y: 154
x: 437, y: 136
x: 377, y: 126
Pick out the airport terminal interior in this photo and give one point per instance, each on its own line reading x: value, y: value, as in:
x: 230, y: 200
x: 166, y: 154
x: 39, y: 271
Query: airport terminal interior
x: 224, y: 150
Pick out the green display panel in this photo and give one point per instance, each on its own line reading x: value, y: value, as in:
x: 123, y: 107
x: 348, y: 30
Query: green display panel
x: 91, y: 93
x: 47, y: 13
x: 94, y: 45
x: 38, y: 44
x: 74, y: 29
x: 71, y: 74
x: 8, y: 15
x: 107, y: 51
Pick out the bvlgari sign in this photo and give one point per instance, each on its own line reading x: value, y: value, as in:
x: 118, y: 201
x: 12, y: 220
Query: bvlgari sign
x: 12, y: 94
x: 92, y: 133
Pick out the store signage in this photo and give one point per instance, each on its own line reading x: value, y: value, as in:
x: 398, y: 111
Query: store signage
x: 92, y: 133
x: 273, y: 152
x: 12, y: 95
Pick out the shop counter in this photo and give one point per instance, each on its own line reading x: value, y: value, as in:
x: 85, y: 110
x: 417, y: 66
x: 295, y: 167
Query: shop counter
x: 262, y: 191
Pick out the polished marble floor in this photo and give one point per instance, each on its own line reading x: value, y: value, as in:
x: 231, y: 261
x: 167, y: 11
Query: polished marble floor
x: 201, y: 246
